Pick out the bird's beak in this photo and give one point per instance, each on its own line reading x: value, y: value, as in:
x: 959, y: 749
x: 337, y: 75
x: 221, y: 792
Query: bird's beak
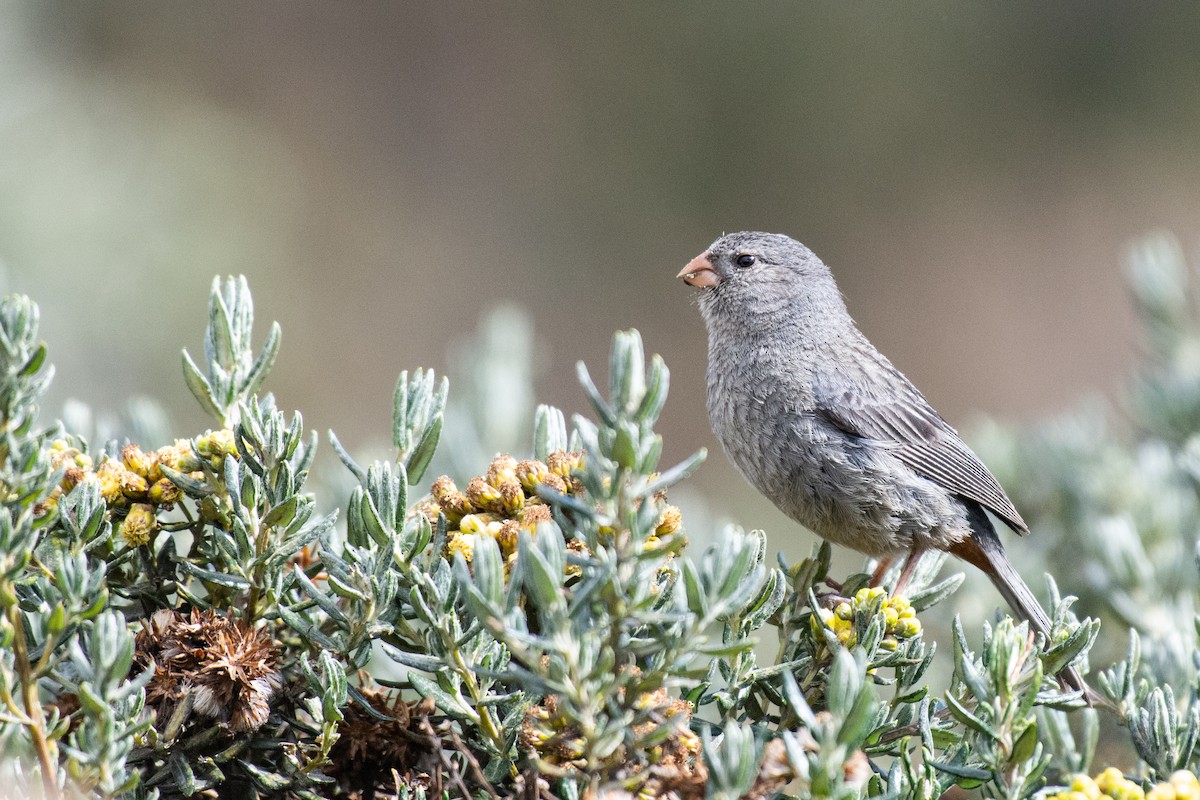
x: 700, y: 273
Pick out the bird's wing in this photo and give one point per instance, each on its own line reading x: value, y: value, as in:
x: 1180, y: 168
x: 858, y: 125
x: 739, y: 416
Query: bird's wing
x: 886, y: 408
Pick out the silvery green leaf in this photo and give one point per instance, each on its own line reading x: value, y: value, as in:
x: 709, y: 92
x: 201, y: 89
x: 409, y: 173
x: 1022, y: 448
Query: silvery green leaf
x: 655, y: 393
x: 489, y: 571
x: 346, y: 458
x: 421, y: 661
x: 262, y: 365
x: 932, y: 595
x: 306, y: 629
x: 549, y: 432
x: 200, y: 387
x: 211, y: 576
x: 675, y: 474
x: 732, y: 761
x: 264, y: 779
x: 422, y: 454
x: 327, y: 603
x: 190, y: 486
x: 963, y: 715
x: 601, y: 407
x: 448, y: 703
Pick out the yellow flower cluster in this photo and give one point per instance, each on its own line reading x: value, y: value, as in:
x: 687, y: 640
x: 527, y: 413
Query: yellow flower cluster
x: 900, y: 618
x: 1111, y: 784
x: 504, y: 501
x: 136, y: 482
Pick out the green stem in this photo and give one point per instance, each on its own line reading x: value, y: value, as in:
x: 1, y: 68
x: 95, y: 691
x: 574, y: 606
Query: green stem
x: 488, y: 725
x: 42, y: 745
x: 260, y: 547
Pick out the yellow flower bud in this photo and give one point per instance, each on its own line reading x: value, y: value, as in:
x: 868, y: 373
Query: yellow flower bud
x: 1110, y: 778
x: 450, y: 500
x: 139, y: 525
x: 1082, y: 783
x: 844, y: 611
x: 483, y: 496
x: 463, y: 543
x: 217, y: 444
x: 512, y: 497
x: 669, y: 522
x: 563, y: 463
x: 475, y: 524
x: 531, y: 473
x: 1161, y: 791
x: 1185, y: 785
x: 136, y: 460
x: 502, y: 470
x: 110, y: 474
x: 179, y: 456
x: 163, y: 492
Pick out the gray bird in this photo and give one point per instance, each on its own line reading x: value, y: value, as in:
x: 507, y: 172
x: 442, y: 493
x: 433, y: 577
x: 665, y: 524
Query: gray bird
x: 821, y: 423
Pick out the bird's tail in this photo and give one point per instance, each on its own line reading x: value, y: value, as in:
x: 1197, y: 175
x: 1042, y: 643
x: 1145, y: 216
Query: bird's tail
x: 983, y: 549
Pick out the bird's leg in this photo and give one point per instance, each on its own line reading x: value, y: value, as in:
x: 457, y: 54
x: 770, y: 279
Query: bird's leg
x: 910, y: 564
x: 880, y: 570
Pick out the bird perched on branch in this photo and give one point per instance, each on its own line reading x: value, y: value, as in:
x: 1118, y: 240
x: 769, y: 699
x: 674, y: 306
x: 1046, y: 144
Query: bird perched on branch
x: 821, y: 423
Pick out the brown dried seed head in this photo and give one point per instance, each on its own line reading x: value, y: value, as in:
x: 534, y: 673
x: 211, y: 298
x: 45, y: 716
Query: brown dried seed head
x: 229, y: 666
x: 238, y: 677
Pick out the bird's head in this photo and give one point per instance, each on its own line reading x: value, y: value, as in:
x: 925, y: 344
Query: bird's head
x: 752, y: 275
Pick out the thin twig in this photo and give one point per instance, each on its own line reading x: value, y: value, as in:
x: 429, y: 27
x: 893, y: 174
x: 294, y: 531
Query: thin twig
x: 455, y: 775
x: 476, y: 769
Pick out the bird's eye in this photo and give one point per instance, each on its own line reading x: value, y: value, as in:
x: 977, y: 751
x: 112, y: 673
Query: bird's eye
x: 746, y: 260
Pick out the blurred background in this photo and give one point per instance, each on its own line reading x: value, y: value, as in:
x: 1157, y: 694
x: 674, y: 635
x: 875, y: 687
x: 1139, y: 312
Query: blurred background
x: 387, y: 174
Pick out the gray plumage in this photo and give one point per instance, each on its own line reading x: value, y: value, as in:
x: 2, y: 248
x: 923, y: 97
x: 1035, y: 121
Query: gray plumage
x: 821, y: 423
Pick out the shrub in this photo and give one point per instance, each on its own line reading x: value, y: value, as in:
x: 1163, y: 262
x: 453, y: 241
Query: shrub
x: 183, y: 621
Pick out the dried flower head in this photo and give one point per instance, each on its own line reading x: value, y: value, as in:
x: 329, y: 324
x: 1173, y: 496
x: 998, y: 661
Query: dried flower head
x: 229, y: 667
x: 368, y: 748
